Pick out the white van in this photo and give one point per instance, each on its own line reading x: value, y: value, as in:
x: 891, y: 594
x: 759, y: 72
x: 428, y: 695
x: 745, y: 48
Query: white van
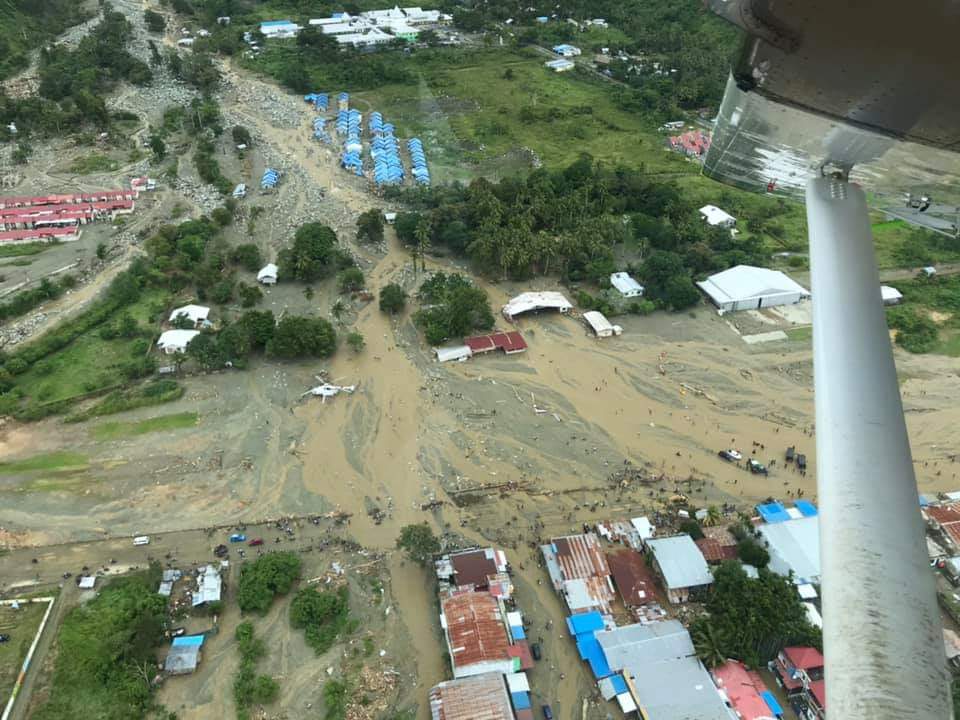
x: 141, y: 540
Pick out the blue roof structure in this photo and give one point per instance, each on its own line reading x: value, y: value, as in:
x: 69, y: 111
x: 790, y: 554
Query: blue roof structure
x: 773, y: 512
x: 590, y: 650
x: 275, y: 23
x: 188, y: 641
x: 772, y: 703
x: 517, y: 633
x: 806, y: 508
x: 585, y: 623
x: 619, y: 684
x: 521, y: 700
x: 269, y: 180
x: 564, y: 47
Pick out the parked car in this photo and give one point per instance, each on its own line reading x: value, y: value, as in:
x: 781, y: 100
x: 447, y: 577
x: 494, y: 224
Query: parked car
x: 177, y: 632
x: 791, y: 451
x: 4, y: 638
x: 730, y: 455
x: 141, y: 540
x: 220, y: 551
x: 756, y: 468
x: 238, y: 537
x: 255, y: 542
x: 547, y: 712
x: 535, y: 651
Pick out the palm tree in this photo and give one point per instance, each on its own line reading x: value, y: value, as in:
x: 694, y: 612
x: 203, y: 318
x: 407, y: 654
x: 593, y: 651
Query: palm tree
x: 713, y: 516
x: 709, y: 644
x: 337, y: 309
x: 422, y: 235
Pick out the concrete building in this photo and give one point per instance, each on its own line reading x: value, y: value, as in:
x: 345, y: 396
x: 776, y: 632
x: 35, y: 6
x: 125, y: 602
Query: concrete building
x: 560, y: 65
x: 530, y: 301
x: 279, y: 29
x: 176, y: 341
x: 626, y: 285
x: 680, y: 563
x: 890, y: 295
x: 745, y: 287
x: 567, y: 51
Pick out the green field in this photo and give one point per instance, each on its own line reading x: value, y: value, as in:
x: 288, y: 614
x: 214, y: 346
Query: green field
x: 24, y: 249
x: 117, y: 430
x: 801, y: 334
x: 55, y: 461
x: 21, y: 625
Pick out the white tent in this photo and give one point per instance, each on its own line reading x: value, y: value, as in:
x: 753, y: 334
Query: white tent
x: 174, y: 341
x: 525, y: 302
x: 717, y: 217
x: 196, y: 313
x: 626, y: 285
x: 268, y: 274
x: 600, y: 325
x: 890, y: 295
x: 745, y: 287
x: 456, y: 352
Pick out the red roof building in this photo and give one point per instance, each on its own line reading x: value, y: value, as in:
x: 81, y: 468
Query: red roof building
x: 817, y: 697
x: 714, y: 552
x: 632, y: 577
x: 475, y: 568
x: 742, y: 689
x: 947, y: 518
x: 483, y: 697
x: 804, y: 658
x: 477, y: 637
x: 520, y: 651
x: 797, y: 667
x: 510, y: 342
x: 42, y: 233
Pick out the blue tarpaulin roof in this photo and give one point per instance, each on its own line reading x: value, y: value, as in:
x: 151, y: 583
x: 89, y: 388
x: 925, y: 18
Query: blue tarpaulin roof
x: 773, y: 512
x: 619, y: 684
x: 585, y: 623
x: 590, y: 650
x: 517, y: 633
x: 188, y: 640
x: 772, y: 703
x: 521, y: 700
x: 806, y: 508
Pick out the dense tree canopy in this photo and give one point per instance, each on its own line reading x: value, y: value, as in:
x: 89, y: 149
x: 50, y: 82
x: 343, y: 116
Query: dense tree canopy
x: 453, y: 307
x: 314, y: 254
x: 321, y: 614
x: 419, y: 542
x: 751, y: 620
x: 269, y: 575
x: 392, y: 299
x: 302, y: 337
x: 370, y: 226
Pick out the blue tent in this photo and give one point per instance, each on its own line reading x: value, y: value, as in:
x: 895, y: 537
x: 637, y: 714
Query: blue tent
x: 521, y: 700
x: 772, y: 703
x: 773, y: 512
x: 188, y: 641
x: 806, y: 508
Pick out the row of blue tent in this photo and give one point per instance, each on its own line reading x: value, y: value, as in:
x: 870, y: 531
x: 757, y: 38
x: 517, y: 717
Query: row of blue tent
x: 343, y: 100
x: 320, y: 100
x: 348, y: 122
x: 320, y: 130
x: 419, y: 161
x: 270, y: 179
x: 385, y: 151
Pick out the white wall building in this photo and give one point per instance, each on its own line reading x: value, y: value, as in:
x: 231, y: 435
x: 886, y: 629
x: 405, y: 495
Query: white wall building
x: 745, y: 287
x: 176, y: 341
x: 600, y: 325
x: 890, y: 295
x: 279, y: 29
x: 717, y: 217
x: 268, y: 274
x: 525, y: 302
x: 197, y: 314
x: 626, y: 285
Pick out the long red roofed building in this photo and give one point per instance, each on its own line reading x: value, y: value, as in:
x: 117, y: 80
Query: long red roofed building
x: 477, y: 637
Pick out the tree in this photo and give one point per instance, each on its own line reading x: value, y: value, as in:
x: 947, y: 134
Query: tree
x: 158, y: 147
x: 692, y: 528
x: 259, y: 325
x: 753, y: 619
x: 269, y: 575
x: 314, y: 254
x: 297, y: 337
x: 709, y: 644
x: 155, y: 21
x: 753, y: 553
x: 419, y: 542
x: 422, y: 235
x: 247, y: 256
x: 680, y: 293
x: 457, y: 308
x: 241, y: 136
x: 405, y: 226
x: 370, y: 226
x: 713, y: 516
x: 428, y: 37
x: 101, y: 251
x: 338, y: 309
x: 321, y: 614
x: 355, y: 341
x: 350, y: 279
x: 392, y: 299
x: 250, y: 295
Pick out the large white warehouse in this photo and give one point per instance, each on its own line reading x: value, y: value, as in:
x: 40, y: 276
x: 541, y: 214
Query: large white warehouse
x: 745, y: 287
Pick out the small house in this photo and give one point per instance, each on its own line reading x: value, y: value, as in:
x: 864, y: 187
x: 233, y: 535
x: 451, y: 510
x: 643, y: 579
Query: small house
x: 717, y: 217
x: 196, y: 314
x: 390, y: 217
x: 681, y: 565
x: 176, y: 341
x: 560, y: 65
x: 530, y: 301
x: 929, y: 271
x: 600, y: 325
x: 458, y: 353
x: 626, y: 285
x: 240, y: 191
x: 267, y: 274
x: 567, y: 51
x: 890, y: 295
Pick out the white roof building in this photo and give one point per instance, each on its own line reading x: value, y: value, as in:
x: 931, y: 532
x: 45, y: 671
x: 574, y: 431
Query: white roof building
x: 890, y: 295
x: 717, y: 217
x: 680, y: 561
x: 525, y: 302
x: 794, y: 546
x: 560, y: 65
x: 279, y: 29
x: 208, y: 585
x: 196, y: 313
x: 600, y: 325
x: 268, y: 274
x: 176, y: 341
x: 626, y: 285
x: 643, y: 527
x: 457, y: 352
x: 746, y: 287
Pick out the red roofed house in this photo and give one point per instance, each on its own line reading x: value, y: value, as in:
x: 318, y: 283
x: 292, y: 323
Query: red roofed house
x: 945, y: 518
x: 796, y: 668
x: 579, y: 571
x: 632, y: 577
x: 510, y: 342
x: 483, y: 697
x: 477, y: 638
x: 742, y: 689
x: 817, y: 700
x: 714, y: 552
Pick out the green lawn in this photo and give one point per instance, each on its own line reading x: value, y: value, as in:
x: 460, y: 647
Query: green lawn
x: 24, y: 249
x: 801, y: 334
x: 21, y: 625
x: 62, y: 461
x: 93, y: 163
x: 117, y: 430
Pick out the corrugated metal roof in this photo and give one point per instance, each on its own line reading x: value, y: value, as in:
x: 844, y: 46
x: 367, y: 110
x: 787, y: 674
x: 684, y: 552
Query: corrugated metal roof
x: 713, y: 551
x: 474, y: 567
x: 743, y: 688
x: 634, y: 645
x: 581, y: 556
x: 681, y: 562
x: 182, y: 659
x: 632, y: 577
x: 482, y: 697
x: 475, y: 629
x: 794, y: 546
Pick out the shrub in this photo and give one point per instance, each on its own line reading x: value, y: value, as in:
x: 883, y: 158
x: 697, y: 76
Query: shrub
x: 247, y: 256
x: 271, y: 574
x: 250, y: 295
x: 297, y: 337
x: 350, y: 279
x: 692, y: 528
x: 355, y: 341
x: 321, y: 614
x: 419, y: 542
x: 392, y: 299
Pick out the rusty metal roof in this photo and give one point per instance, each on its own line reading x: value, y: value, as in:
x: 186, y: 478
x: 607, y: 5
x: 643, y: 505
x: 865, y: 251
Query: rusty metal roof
x: 475, y: 567
x: 581, y: 556
x: 475, y: 629
x: 713, y: 551
x: 481, y: 697
x: 632, y: 577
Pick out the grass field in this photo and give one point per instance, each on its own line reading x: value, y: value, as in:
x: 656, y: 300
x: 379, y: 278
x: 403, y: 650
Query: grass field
x: 939, y: 299
x: 88, y: 363
x: 117, y: 430
x: 24, y: 249
x: 56, y: 461
x: 800, y: 334
x: 21, y: 625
